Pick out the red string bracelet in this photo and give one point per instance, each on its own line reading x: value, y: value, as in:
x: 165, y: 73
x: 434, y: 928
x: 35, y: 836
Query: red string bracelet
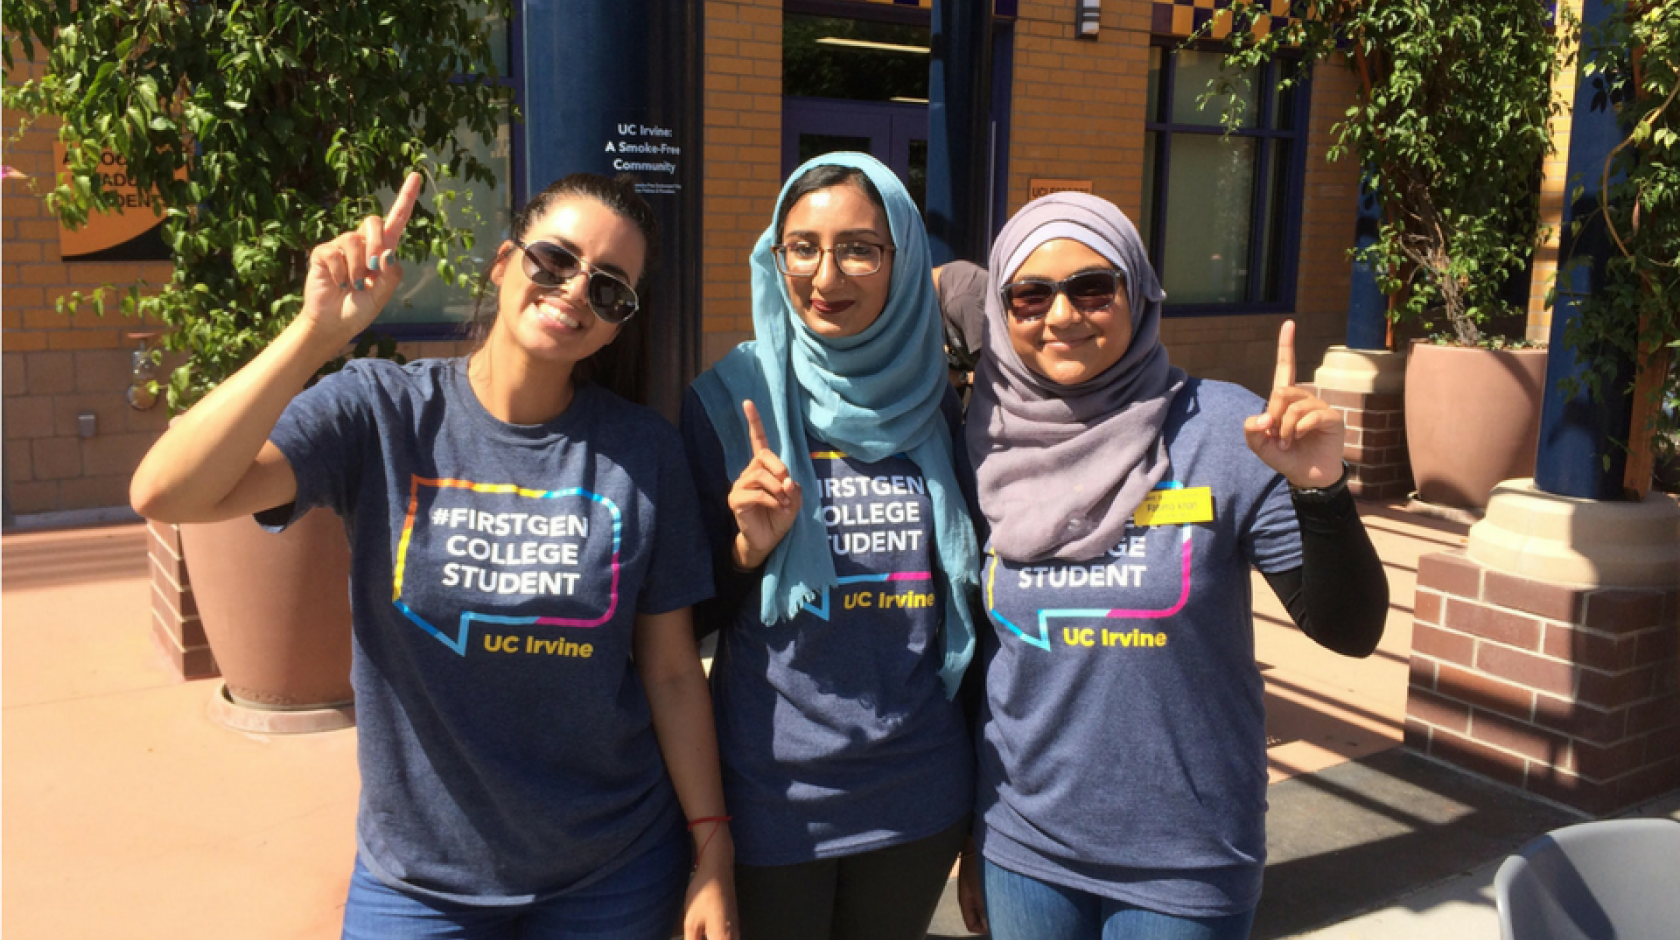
x: 702, y: 820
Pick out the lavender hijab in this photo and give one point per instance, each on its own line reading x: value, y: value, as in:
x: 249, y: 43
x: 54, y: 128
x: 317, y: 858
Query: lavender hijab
x: 1062, y: 467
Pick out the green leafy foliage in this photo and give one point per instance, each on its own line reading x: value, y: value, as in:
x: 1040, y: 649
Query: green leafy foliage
x: 264, y: 127
x: 1633, y: 315
x: 1450, y: 120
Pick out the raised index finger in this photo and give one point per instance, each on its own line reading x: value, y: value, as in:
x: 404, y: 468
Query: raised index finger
x: 397, y: 219
x: 755, y: 426
x: 1284, y: 376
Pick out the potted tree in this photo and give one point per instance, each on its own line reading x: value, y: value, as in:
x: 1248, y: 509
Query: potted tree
x: 1450, y: 123
x: 263, y: 127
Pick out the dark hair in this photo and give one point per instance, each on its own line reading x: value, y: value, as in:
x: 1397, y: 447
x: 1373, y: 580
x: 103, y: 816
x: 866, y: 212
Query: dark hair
x: 824, y: 177
x: 618, y: 366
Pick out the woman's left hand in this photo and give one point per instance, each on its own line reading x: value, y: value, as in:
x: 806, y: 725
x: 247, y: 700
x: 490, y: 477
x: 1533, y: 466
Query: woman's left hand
x: 971, y: 900
x: 709, y: 911
x: 1298, y: 435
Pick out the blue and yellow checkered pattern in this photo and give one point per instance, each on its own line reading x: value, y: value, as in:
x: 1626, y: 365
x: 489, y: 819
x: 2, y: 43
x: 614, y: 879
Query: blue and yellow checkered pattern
x: 1184, y: 17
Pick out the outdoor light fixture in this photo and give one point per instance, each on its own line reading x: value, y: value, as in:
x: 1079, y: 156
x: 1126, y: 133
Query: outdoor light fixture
x: 142, y: 386
x: 1087, y: 15
x: 879, y: 46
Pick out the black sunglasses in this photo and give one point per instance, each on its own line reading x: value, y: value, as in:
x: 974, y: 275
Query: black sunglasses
x: 1030, y: 298
x: 551, y: 265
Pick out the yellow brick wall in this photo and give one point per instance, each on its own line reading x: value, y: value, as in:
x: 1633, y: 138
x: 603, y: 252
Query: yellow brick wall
x: 1554, y: 199
x: 743, y: 159
x: 1061, y: 82
x: 1078, y: 105
x: 57, y: 366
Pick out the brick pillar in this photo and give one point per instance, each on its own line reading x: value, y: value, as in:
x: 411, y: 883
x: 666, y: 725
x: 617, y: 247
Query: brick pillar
x: 175, y: 624
x: 1567, y: 690
x: 1368, y: 388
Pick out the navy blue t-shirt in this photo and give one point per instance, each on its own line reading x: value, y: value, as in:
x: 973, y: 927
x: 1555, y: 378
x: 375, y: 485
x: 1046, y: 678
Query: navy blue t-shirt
x: 834, y: 729
x: 1122, y: 742
x: 506, y: 746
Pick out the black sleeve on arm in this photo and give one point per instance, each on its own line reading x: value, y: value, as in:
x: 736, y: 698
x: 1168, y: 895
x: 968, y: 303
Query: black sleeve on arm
x: 973, y: 687
x: 712, y: 483
x: 1339, y: 594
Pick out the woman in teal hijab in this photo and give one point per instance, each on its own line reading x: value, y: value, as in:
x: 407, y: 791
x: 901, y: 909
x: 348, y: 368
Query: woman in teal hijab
x: 845, y: 561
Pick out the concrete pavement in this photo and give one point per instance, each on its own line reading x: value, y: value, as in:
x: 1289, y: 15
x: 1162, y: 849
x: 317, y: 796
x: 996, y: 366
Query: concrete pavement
x: 129, y: 813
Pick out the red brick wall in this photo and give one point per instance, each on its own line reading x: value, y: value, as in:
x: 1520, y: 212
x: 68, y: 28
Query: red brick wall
x: 1375, y: 446
x: 176, y: 626
x: 1572, y: 693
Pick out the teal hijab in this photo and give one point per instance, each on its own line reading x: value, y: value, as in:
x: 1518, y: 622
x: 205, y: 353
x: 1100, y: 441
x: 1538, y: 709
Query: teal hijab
x: 872, y: 396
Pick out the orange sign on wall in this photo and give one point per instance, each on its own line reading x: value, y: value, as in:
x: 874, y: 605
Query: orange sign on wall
x: 1037, y: 188
x: 132, y: 233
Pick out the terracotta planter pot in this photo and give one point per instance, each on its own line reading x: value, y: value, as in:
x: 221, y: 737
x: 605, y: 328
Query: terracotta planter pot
x: 276, y: 608
x: 1472, y: 420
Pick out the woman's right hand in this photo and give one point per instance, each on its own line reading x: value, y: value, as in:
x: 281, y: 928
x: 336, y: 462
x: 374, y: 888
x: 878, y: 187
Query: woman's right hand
x: 215, y: 462
x: 353, y: 276
x: 765, y: 499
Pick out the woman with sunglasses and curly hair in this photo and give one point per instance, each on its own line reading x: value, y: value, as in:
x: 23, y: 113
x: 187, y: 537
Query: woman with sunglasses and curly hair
x: 1122, y: 760
x: 533, y: 719
x: 845, y: 562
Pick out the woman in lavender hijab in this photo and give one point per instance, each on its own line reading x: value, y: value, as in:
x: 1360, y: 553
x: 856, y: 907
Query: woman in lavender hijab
x: 1122, y: 770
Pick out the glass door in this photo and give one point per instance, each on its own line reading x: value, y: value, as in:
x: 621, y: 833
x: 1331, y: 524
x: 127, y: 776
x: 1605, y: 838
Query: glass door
x: 895, y: 134
x: 852, y: 84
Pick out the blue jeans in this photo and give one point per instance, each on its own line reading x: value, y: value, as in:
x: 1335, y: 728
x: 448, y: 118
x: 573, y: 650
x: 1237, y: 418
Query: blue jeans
x: 1023, y: 908
x: 641, y: 901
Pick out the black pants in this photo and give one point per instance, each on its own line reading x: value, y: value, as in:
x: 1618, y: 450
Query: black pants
x: 886, y: 894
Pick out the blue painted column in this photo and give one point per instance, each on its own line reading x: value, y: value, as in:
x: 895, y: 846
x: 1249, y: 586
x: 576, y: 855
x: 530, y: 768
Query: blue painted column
x: 1578, y: 456
x: 958, y: 80
x: 611, y: 87
x: 1367, y: 305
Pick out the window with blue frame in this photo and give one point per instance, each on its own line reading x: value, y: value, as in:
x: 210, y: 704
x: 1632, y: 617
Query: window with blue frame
x: 1222, y: 208
x: 424, y: 306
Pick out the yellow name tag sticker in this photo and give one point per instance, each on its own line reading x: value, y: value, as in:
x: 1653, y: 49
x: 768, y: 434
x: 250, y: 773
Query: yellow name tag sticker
x: 1175, y: 507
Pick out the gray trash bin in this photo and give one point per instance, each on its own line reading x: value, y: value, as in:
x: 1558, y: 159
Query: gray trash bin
x: 1616, y: 879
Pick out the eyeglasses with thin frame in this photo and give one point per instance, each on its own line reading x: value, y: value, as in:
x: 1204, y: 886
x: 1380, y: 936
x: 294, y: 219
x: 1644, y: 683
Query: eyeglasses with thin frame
x: 1031, y: 298
x: 550, y: 265
x: 855, y: 259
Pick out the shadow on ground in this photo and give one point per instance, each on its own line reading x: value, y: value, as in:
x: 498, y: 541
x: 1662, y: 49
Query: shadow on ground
x: 1360, y: 835
x: 1357, y: 836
